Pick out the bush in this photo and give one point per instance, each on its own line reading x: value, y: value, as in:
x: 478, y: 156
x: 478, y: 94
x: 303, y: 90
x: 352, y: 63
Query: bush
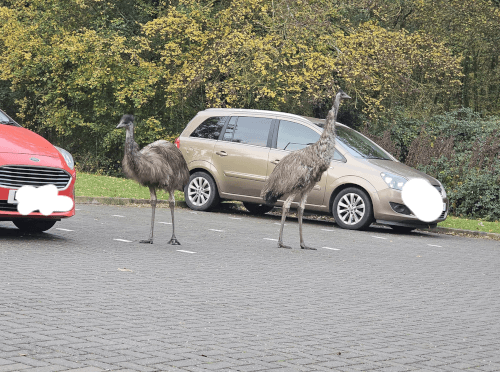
x: 459, y: 148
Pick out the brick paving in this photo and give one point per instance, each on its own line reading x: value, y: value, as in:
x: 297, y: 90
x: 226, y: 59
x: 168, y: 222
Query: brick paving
x: 81, y: 301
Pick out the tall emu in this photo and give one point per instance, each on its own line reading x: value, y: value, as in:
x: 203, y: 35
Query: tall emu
x: 298, y: 172
x: 159, y: 165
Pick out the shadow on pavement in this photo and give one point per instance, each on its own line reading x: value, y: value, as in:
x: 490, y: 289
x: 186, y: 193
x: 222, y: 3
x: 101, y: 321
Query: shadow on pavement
x: 323, y: 220
x: 13, y: 233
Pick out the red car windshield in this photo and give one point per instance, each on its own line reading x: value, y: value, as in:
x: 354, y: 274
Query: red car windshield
x: 4, y: 119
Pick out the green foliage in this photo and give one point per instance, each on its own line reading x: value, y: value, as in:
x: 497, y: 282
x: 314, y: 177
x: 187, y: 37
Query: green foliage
x: 460, y: 149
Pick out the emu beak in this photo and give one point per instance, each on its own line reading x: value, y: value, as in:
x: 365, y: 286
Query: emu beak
x: 120, y: 125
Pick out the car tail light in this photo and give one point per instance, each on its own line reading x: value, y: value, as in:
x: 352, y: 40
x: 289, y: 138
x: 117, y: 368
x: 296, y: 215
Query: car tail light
x: 178, y: 142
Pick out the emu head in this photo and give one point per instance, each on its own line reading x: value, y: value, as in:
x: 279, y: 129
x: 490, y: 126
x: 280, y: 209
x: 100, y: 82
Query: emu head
x: 342, y: 95
x: 126, y: 122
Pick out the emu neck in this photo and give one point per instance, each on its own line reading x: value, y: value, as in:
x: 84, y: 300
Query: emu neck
x: 131, y: 147
x: 326, y: 142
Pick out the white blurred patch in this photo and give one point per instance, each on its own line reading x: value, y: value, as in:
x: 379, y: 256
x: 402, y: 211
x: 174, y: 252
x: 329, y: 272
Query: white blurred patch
x: 44, y: 198
x: 423, y: 199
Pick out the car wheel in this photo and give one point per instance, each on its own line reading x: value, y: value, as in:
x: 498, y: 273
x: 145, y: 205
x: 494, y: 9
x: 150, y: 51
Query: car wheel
x: 402, y: 229
x: 258, y: 209
x: 352, y: 209
x: 201, y: 192
x: 34, y: 226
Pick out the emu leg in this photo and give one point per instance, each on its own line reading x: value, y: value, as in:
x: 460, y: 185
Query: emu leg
x: 171, y: 201
x: 152, y: 191
x: 286, y: 208
x: 301, y: 213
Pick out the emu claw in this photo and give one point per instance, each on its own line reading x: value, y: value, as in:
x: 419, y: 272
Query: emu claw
x: 149, y: 241
x: 174, y: 241
x: 281, y: 245
x: 306, y: 247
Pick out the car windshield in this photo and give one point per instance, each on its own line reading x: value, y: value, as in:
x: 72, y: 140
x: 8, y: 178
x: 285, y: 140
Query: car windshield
x: 4, y: 119
x: 358, y: 145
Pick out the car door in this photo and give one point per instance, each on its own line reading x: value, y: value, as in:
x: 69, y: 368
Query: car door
x: 241, y: 155
x: 293, y: 136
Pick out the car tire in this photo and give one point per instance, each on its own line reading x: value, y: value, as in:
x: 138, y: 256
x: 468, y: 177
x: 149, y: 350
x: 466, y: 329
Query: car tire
x: 258, y: 209
x: 352, y: 209
x: 201, y: 192
x: 34, y: 226
x: 402, y: 229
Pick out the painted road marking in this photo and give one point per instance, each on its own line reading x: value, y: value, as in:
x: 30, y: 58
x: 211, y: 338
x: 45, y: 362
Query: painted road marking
x: 59, y: 228
x: 432, y: 245
x: 235, y: 218
x: 327, y: 230
x: 117, y: 215
x: 333, y: 249
x: 183, y: 251
x: 216, y: 230
x: 123, y: 240
x: 274, y: 240
x: 378, y: 237
x: 166, y: 223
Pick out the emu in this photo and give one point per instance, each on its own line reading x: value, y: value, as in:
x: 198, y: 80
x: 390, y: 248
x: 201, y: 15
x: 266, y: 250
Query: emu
x: 298, y: 172
x: 159, y: 165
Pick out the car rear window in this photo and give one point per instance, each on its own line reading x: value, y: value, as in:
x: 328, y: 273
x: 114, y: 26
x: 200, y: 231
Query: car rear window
x: 248, y: 130
x: 210, y: 128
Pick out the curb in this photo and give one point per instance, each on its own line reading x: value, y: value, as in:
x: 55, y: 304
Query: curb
x: 128, y: 201
x: 121, y: 201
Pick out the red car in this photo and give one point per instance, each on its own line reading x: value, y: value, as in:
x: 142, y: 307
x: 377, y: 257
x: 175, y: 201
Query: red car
x: 29, y: 159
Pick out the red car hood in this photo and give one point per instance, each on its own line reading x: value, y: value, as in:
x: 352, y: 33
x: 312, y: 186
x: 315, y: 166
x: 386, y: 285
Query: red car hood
x: 17, y: 140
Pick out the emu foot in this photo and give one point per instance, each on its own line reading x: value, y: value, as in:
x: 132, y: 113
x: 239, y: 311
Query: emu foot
x: 303, y: 246
x: 149, y: 241
x: 281, y: 245
x: 174, y: 241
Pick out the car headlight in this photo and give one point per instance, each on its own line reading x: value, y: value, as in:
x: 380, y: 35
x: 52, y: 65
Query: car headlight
x: 67, y: 156
x: 443, y: 191
x: 393, y: 181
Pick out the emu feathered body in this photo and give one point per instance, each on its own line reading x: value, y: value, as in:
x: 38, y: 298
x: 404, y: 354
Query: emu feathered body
x: 298, y: 172
x: 159, y: 165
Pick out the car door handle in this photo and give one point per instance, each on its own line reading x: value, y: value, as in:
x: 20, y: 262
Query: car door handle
x: 221, y: 153
x: 275, y: 162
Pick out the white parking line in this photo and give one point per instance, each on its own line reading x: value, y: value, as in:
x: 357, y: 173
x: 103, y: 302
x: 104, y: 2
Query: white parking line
x: 327, y: 230
x: 432, y: 245
x: 166, y: 223
x: 216, y: 230
x: 59, y: 228
x: 274, y: 240
x: 116, y: 215
x: 123, y: 240
x: 378, y: 237
x: 183, y: 251
x: 333, y: 249
x: 235, y: 218
x: 194, y: 212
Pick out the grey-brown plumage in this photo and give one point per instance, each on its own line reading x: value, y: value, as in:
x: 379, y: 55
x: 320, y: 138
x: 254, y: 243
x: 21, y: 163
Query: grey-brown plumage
x: 298, y: 172
x: 159, y: 165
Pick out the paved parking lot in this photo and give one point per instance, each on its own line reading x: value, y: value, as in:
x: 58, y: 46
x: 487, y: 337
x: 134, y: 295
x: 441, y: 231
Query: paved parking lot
x: 86, y: 296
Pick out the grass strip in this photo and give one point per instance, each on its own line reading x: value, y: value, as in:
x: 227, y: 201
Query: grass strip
x: 113, y: 187
x: 93, y: 185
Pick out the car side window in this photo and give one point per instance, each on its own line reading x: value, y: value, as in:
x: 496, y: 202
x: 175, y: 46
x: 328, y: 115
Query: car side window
x: 210, y: 128
x: 294, y: 136
x: 248, y: 130
x: 339, y: 157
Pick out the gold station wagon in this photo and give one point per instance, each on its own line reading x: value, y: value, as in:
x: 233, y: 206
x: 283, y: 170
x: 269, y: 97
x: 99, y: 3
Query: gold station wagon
x: 231, y: 152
